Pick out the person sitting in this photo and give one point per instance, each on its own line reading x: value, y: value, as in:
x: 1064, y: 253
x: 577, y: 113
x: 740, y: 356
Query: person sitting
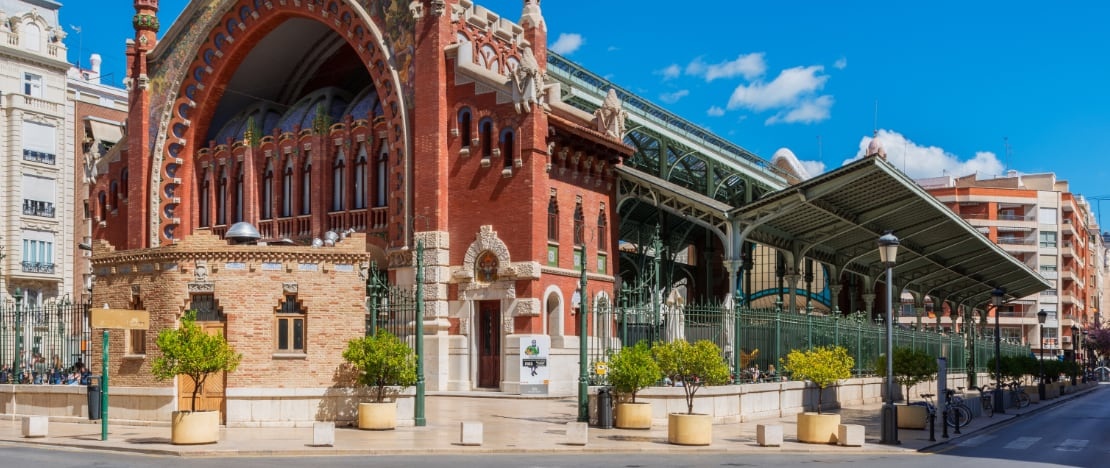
x: 772, y: 375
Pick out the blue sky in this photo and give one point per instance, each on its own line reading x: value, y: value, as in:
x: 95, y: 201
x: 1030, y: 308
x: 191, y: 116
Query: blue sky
x: 952, y: 87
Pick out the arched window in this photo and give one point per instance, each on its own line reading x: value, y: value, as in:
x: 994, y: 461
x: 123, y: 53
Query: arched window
x: 113, y: 195
x: 464, y: 126
x: 338, y: 181
x: 268, y: 191
x: 485, y: 132
x: 382, y: 169
x: 360, y: 178
x: 552, y: 219
x: 287, y: 189
x: 507, y: 146
x: 221, y: 198
x: 205, y: 196
x: 306, y: 184
x: 31, y: 36
x: 102, y: 200
x: 579, y: 225
x: 602, y: 232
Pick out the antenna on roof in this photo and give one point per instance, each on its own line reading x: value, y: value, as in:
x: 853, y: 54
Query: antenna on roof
x: 876, y: 126
x: 80, y: 44
x: 1008, y: 149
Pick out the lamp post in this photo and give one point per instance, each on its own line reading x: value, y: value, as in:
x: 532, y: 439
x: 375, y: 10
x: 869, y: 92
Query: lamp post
x: 888, y: 251
x: 996, y: 300
x: 18, y: 333
x: 1041, y: 317
x: 583, y: 343
x: 1074, y: 349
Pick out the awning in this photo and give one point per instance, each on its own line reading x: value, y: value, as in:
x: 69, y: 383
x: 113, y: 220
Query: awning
x: 105, y: 131
x: 837, y: 218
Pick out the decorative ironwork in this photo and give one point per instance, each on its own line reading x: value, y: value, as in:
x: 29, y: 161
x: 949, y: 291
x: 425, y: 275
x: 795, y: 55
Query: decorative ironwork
x: 42, y: 342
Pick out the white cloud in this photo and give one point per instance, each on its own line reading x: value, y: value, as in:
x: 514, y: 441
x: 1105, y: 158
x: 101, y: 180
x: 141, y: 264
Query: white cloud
x: 786, y: 90
x: 671, y: 72
x: 749, y: 66
x: 671, y: 98
x: 814, y: 168
x: 567, y: 43
x: 807, y: 111
x: 841, y: 63
x: 715, y: 111
x: 919, y: 161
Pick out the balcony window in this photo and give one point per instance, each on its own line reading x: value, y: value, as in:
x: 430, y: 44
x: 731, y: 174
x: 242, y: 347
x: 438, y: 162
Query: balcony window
x: 38, y: 208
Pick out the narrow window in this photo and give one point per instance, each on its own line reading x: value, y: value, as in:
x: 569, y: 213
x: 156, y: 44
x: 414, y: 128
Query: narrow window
x: 464, y: 126
x: 239, y: 192
x: 383, y: 167
x: 306, y: 185
x: 102, y: 200
x: 579, y: 225
x: 602, y: 232
x: 287, y: 189
x: 205, y: 194
x: 507, y: 147
x: 32, y: 85
x: 123, y: 182
x: 552, y: 220
x: 268, y: 191
x: 289, y: 326
x: 338, y: 180
x: 360, y: 178
x: 485, y: 129
x: 113, y: 194
x: 136, y: 339
x: 221, y: 198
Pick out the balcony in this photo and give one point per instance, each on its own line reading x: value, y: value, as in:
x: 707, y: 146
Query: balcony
x: 38, y: 267
x: 38, y: 208
x: 39, y: 157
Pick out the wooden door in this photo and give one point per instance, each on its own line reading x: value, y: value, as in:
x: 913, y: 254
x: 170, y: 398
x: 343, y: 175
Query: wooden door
x: 211, y: 395
x: 489, y: 344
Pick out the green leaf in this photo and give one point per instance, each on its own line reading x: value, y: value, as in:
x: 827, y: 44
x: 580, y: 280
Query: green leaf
x: 191, y: 352
x: 382, y: 360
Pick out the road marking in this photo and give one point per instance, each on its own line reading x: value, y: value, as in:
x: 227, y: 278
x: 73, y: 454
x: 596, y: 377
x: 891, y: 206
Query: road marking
x: 1072, y: 445
x: 975, y: 441
x: 1022, y: 443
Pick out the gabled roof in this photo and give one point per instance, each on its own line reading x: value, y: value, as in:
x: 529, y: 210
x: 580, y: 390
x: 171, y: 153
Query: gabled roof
x: 837, y: 218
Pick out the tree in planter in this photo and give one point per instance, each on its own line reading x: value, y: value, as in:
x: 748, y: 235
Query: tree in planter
x: 824, y: 366
x: 382, y: 360
x: 910, y: 367
x: 695, y: 365
x: 191, y: 352
x: 632, y: 369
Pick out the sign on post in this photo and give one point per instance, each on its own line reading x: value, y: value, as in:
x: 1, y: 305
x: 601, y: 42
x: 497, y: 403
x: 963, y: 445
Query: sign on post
x: 533, y: 364
x: 121, y: 319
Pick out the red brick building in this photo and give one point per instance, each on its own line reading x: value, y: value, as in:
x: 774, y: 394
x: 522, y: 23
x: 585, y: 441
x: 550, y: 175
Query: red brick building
x: 384, y: 123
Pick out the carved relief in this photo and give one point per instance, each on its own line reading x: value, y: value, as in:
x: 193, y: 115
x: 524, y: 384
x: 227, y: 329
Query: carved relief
x: 609, y: 118
x: 200, y: 271
x: 527, y: 82
x: 289, y: 288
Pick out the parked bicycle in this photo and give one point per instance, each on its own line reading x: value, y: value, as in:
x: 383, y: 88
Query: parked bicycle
x: 986, y: 400
x: 958, y: 411
x: 1018, y: 398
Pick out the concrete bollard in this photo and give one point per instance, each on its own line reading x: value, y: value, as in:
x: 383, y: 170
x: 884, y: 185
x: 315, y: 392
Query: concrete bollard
x: 577, y: 433
x: 323, y: 434
x: 849, y: 435
x: 768, y: 435
x: 470, y: 433
x: 35, y: 426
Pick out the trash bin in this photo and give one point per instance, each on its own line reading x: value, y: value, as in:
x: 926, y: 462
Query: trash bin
x: 604, y: 408
x: 94, y: 398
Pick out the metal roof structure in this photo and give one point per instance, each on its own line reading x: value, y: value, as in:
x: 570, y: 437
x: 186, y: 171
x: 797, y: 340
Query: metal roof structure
x: 837, y: 218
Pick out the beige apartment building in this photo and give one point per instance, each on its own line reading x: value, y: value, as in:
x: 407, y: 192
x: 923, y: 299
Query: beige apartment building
x: 1038, y: 220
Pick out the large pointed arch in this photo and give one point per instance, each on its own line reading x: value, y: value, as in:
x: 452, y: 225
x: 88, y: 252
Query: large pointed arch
x: 212, y: 41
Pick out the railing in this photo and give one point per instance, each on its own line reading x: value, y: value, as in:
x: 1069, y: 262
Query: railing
x: 39, y: 156
x: 38, y: 267
x: 344, y: 220
x: 38, y: 208
x: 379, y: 218
x: 31, y: 102
x: 1017, y: 241
x: 44, y: 339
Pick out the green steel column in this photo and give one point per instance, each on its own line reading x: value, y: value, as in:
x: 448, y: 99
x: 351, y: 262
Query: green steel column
x: 736, y: 339
x: 778, y: 330
x: 104, y: 388
x: 583, y: 385
x: 418, y: 408
x: 18, y: 333
x: 372, y: 293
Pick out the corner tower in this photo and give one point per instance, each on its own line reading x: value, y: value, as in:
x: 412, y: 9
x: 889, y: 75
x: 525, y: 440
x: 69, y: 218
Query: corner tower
x: 137, y: 82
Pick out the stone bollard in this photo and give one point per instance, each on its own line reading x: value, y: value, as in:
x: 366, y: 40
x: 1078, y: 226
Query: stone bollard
x: 577, y: 433
x: 323, y: 434
x: 470, y: 433
x: 849, y: 435
x: 35, y: 426
x: 768, y: 435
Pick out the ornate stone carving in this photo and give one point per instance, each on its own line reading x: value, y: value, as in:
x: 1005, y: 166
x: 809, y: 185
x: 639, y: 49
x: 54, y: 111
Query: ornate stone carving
x: 202, y: 287
x: 416, y: 7
x: 527, y: 82
x: 610, y: 116
x: 439, y: 7
x: 200, y: 271
x: 289, y: 287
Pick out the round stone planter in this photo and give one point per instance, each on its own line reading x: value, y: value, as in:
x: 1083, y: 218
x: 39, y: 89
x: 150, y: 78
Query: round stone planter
x: 816, y: 428
x: 195, y: 427
x: 689, y: 429
x: 377, y: 416
x: 634, y: 415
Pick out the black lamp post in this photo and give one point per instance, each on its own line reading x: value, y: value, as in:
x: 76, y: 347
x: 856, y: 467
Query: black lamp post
x: 1074, y: 349
x: 888, y: 252
x: 996, y: 300
x: 1041, y: 317
x: 1086, y: 358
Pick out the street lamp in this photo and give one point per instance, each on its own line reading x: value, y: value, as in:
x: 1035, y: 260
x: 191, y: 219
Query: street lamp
x: 1074, y: 349
x: 996, y: 301
x: 1041, y: 317
x: 888, y: 252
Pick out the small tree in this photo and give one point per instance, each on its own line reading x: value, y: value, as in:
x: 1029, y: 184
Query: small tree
x: 910, y: 367
x: 382, y: 360
x: 632, y: 369
x: 824, y: 366
x: 191, y: 352
x: 695, y: 365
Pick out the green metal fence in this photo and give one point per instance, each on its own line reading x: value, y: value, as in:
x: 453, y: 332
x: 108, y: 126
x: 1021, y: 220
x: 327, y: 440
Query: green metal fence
x: 765, y: 336
x: 36, y: 341
x: 390, y: 307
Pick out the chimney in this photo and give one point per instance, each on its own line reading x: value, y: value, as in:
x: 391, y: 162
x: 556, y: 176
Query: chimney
x: 94, y: 62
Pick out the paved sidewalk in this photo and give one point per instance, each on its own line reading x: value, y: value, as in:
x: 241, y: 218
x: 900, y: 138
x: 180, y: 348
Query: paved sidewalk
x: 511, y: 425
